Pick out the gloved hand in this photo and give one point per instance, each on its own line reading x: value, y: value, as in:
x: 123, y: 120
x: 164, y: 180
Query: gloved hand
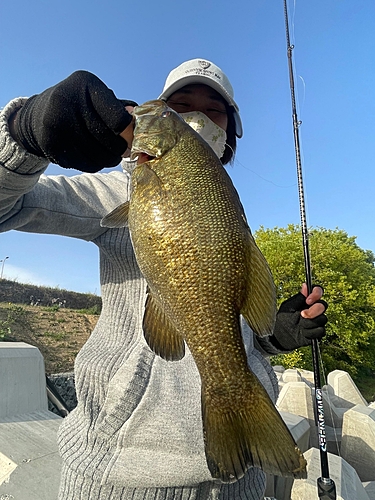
x: 75, y: 124
x: 293, y: 330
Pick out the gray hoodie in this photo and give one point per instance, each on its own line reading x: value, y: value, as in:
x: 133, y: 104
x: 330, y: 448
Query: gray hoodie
x: 137, y: 431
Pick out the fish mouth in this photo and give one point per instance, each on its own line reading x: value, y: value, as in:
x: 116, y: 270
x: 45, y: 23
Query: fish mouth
x: 143, y: 157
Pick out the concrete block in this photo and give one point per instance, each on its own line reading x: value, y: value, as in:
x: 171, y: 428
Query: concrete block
x: 279, y: 370
x: 295, y: 375
x: 358, y: 440
x: 333, y: 415
x: 296, y: 398
x: 338, y: 402
x: 299, y: 428
x: 291, y: 375
x: 333, y: 439
x: 7, y: 466
x: 370, y: 489
x: 345, y: 389
x: 29, y: 443
x: 307, y: 376
x: 22, y: 375
x: 347, y: 482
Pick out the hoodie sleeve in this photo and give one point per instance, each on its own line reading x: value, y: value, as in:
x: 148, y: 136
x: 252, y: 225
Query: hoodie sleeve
x: 33, y: 202
x: 19, y: 170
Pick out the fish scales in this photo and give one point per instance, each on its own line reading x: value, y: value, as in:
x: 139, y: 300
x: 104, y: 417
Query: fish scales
x: 198, y: 253
x: 203, y: 270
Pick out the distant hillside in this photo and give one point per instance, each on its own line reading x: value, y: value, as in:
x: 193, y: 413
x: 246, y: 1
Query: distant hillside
x: 58, y: 327
x: 59, y: 333
x: 21, y: 293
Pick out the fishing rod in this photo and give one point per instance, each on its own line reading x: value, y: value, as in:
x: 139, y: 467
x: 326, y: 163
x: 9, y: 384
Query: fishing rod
x: 326, y: 486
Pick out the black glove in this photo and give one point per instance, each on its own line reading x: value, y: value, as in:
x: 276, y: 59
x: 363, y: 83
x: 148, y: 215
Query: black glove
x: 292, y: 330
x: 75, y: 124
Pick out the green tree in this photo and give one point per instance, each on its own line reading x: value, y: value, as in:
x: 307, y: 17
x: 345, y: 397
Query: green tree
x: 347, y: 274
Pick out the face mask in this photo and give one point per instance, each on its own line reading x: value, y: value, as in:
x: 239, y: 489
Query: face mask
x: 214, y: 135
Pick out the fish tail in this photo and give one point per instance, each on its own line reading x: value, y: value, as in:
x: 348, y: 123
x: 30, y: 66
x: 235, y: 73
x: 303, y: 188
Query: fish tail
x: 249, y: 434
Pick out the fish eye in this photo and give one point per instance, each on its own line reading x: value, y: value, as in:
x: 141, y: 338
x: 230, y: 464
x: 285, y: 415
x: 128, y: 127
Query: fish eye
x: 165, y: 114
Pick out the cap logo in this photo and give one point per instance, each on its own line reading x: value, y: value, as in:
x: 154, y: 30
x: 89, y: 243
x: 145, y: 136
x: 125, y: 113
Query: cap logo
x: 204, y: 64
x: 203, y: 70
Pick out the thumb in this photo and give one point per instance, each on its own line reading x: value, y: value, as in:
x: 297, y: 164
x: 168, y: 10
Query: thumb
x: 295, y: 303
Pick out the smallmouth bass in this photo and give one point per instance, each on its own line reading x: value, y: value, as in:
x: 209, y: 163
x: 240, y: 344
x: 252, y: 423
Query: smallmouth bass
x: 203, y: 270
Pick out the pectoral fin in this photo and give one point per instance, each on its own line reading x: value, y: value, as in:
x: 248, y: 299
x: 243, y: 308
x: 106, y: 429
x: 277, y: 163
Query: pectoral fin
x: 259, y: 308
x: 160, y: 333
x: 118, y: 217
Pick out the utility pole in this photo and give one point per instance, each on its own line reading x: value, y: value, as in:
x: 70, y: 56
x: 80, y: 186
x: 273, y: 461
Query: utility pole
x: 2, y: 267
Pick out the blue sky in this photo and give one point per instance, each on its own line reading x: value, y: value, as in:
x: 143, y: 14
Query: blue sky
x: 132, y: 46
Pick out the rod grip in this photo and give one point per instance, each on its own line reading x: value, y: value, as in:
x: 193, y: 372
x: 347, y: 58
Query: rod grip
x: 326, y: 489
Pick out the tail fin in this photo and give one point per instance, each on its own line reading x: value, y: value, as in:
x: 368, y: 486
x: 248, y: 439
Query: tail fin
x: 237, y: 438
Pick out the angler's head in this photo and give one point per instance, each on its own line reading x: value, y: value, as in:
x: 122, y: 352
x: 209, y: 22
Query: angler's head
x: 200, y: 85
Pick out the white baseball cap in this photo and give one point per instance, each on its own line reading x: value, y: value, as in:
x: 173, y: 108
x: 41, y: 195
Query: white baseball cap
x: 207, y: 73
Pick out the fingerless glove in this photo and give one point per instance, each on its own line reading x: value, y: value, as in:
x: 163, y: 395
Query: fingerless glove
x: 292, y: 330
